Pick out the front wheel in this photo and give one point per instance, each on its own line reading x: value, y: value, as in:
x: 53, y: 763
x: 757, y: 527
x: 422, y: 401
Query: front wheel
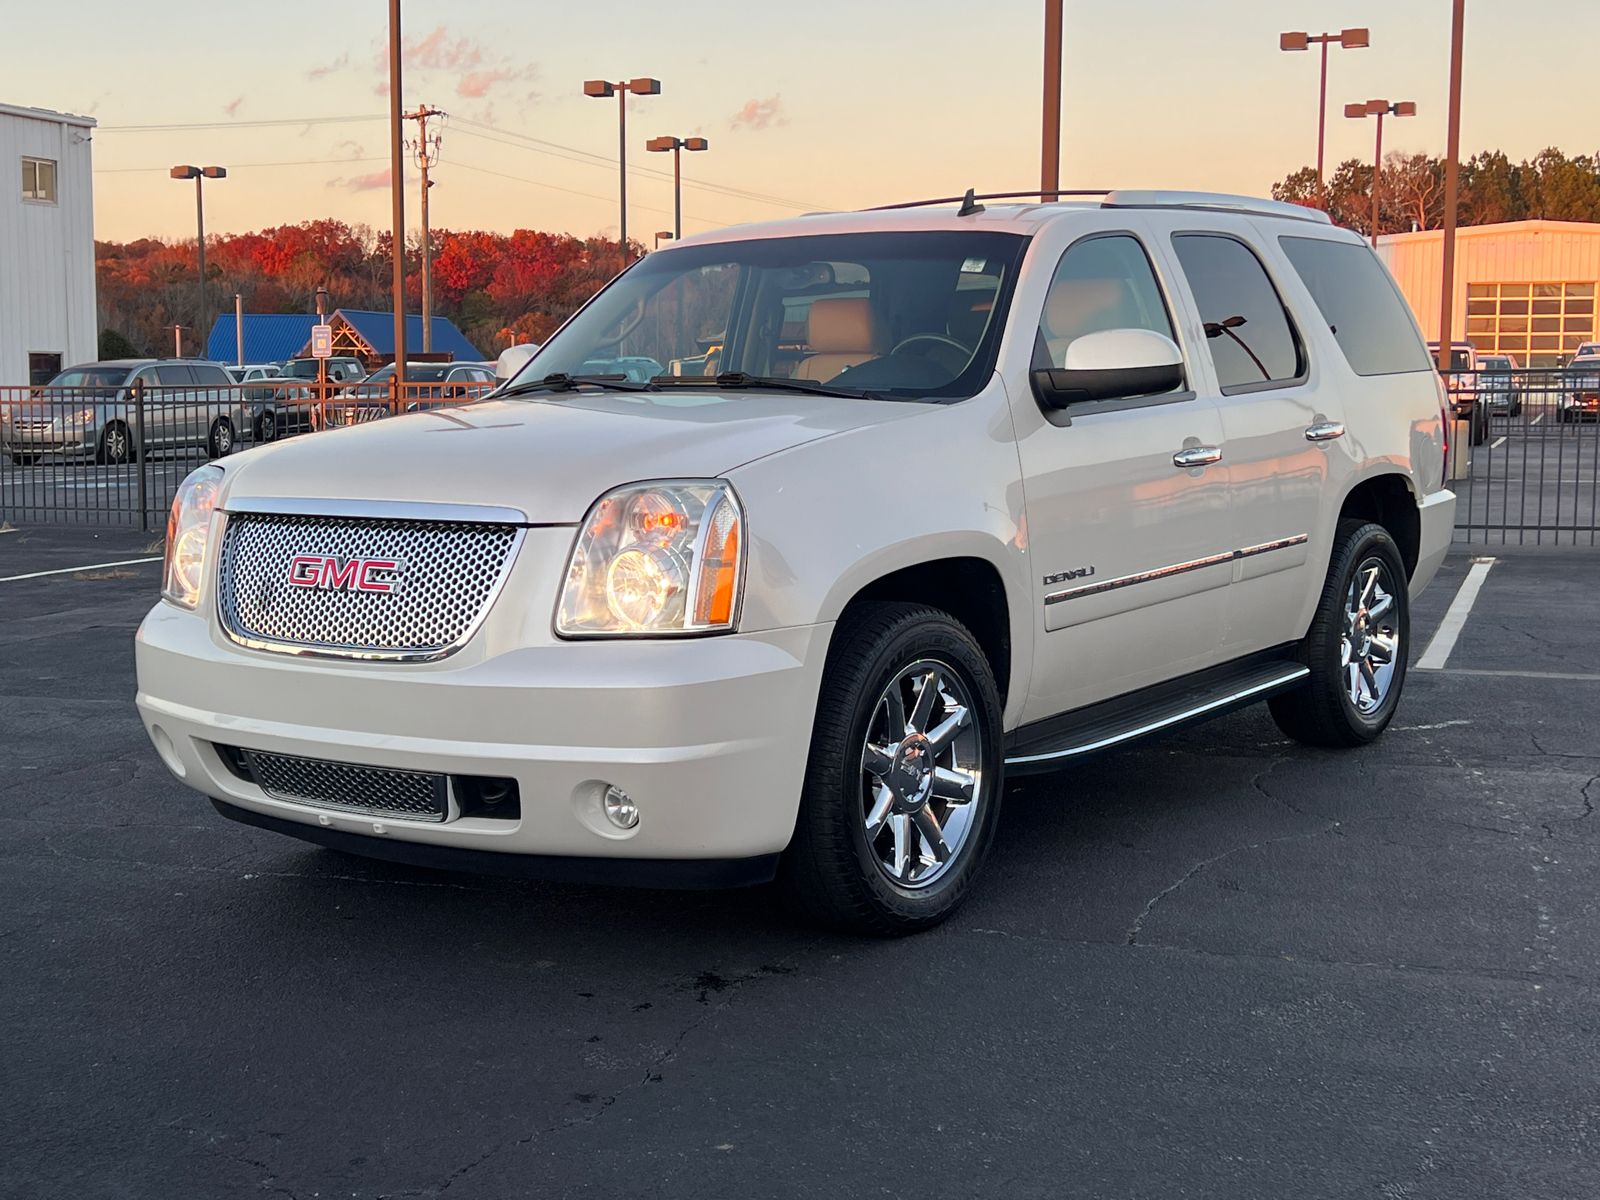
x: 116, y: 446
x: 1356, y: 647
x: 219, y: 442
x: 902, y: 790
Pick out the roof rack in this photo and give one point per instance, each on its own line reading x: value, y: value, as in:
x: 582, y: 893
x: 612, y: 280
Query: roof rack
x: 1216, y: 202
x: 970, y: 196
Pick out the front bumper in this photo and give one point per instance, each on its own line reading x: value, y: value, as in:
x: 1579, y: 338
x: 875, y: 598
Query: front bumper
x: 709, y: 736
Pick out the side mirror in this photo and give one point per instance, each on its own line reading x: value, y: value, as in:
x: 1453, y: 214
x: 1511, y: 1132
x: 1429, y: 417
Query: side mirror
x: 1111, y: 365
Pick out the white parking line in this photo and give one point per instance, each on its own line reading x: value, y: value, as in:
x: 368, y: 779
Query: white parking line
x: 127, y: 562
x: 1499, y: 441
x: 1537, y: 419
x: 1455, y: 618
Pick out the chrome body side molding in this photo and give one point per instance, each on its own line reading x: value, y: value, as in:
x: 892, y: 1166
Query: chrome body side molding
x: 1196, y: 564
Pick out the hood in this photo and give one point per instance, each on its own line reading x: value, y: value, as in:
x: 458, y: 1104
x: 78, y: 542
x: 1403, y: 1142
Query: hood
x: 550, y: 457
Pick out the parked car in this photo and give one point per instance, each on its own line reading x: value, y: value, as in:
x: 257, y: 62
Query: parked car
x: 89, y: 411
x: 284, y: 410
x: 1499, y: 384
x: 1580, y: 393
x: 247, y: 372
x: 1033, y: 481
x: 444, y: 381
x: 1461, y: 383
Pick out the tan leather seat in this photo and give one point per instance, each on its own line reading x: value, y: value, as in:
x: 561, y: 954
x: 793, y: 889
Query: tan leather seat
x: 842, y: 332
x: 1079, y: 306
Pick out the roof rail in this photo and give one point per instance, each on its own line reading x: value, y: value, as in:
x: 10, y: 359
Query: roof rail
x: 1215, y: 202
x: 1057, y: 195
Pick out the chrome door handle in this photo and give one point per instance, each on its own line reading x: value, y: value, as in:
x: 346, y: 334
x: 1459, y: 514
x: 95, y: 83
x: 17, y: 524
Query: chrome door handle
x: 1325, y: 431
x: 1197, y: 456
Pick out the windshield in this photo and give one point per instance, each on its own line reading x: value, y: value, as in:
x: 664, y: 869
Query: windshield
x: 912, y: 315
x: 300, y: 368
x: 91, y: 377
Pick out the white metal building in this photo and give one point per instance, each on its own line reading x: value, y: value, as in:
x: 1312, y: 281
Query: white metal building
x: 1524, y: 288
x: 47, y: 295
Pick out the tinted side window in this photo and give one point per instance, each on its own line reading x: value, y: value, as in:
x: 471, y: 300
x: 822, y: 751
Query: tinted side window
x: 1246, y: 326
x: 1101, y: 283
x: 1358, y: 300
x: 175, y: 375
x: 210, y: 376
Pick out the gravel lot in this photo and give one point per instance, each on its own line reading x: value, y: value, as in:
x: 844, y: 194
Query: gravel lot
x: 1216, y: 965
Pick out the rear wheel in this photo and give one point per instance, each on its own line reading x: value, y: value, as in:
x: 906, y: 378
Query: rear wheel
x: 1478, y: 425
x: 902, y: 789
x: 219, y: 442
x: 1356, y: 647
x: 116, y: 447
x: 23, y: 460
x: 267, y: 426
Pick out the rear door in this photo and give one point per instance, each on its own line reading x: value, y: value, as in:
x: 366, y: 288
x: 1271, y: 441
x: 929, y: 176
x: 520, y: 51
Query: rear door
x: 172, y: 413
x: 1130, y: 550
x: 1272, y: 404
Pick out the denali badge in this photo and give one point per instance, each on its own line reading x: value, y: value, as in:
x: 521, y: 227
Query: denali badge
x: 1077, y: 573
x: 344, y: 575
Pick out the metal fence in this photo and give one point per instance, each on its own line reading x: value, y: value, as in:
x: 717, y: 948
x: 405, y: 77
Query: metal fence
x: 1525, y: 456
x: 117, y: 455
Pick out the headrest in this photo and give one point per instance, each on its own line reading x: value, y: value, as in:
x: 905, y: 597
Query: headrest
x: 1074, y: 305
x: 842, y: 325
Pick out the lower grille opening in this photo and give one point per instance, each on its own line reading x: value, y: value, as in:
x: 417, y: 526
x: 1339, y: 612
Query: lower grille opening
x: 373, y: 791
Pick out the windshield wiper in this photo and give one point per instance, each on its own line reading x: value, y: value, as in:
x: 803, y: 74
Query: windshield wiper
x: 562, y: 382
x: 743, y: 379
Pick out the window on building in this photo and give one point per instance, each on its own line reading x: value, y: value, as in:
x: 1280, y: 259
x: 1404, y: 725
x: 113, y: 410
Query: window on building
x: 39, y: 180
x: 42, y: 368
x: 1252, y: 343
x: 1538, y: 324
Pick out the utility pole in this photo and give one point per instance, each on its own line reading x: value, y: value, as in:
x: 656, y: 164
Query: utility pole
x: 238, y: 326
x: 1050, y: 152
x: 397, y: 193
x: 1452, y: 156
x: 426, y: 151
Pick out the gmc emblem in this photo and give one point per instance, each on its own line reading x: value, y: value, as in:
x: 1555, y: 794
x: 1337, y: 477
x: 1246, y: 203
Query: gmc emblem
x: 344, y: 575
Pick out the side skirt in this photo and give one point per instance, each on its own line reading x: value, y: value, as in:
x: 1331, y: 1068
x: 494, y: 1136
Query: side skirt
x: 1049, y: 745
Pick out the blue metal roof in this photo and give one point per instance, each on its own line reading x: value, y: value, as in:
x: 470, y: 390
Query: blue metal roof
x: 377, y: 330
x: 268, y: 337
x: 273, y: 337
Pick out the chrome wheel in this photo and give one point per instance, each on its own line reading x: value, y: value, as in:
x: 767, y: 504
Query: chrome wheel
x: 921, y: 772
x: 1370, y: 645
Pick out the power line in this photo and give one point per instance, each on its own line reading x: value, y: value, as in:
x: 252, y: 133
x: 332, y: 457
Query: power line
x: 557, y: 188
x: 299, y: 162
x: 238, y: 124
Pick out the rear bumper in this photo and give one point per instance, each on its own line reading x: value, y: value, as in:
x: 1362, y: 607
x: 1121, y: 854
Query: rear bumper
x: 1438, y: 521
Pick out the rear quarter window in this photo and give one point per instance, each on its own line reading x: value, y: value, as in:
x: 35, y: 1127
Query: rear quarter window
x: 1361, y: 305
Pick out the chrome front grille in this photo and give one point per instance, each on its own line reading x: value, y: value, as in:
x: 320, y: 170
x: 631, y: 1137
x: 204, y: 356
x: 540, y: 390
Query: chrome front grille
x: 444, y: 576
x: 369, y: 791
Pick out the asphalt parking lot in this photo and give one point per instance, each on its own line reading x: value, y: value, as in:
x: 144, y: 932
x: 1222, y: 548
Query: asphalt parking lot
x: 1216, y: 965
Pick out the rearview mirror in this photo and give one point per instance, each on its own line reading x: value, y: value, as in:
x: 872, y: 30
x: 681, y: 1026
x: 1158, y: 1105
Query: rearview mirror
x: 1113, y: 364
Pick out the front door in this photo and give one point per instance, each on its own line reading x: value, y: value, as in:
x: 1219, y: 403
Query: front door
x: 1131, y: 550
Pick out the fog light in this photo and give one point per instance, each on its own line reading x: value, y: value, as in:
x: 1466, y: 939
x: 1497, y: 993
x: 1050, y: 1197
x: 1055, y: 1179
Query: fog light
x: 621, y: 811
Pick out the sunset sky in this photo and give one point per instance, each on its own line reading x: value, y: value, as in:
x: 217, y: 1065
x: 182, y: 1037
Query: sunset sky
x: 831, y: 104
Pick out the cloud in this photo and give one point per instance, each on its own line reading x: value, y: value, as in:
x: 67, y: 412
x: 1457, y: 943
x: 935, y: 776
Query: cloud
x: 363, y: 183
x: 475, y: 67
x: 233, y: 109
x: 475, y: 84
x: 337, y: 64
x: 759, y: 114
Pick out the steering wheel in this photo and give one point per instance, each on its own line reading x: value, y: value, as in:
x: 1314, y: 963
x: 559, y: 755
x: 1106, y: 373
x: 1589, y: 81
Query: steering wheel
x: 931, y: 337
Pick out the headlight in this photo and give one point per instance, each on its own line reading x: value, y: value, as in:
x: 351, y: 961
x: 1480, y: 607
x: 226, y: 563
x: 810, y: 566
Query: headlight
x: 187, y: 527
x: 656, y: 558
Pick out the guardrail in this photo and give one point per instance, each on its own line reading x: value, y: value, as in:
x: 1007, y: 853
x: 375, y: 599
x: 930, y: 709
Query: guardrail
x: 117, y: 455
x: 1525, y: 456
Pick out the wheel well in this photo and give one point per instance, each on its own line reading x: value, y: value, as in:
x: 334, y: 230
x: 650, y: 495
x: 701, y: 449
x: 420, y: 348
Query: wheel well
x: 969, y: 589
x: 1388, y: 500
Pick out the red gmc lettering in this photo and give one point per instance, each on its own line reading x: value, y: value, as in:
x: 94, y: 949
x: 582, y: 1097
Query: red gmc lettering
x: 315, y: 570
x: 305, y: 571
x: 375, y: 585
x: 336, y: 576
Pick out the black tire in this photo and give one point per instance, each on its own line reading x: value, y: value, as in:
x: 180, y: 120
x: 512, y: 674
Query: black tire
x: 220, y: 441
x: 1478, y: 425
x: 267, y: 427
x: 1322, y: 711
x: 23, y: 460
x: 116, y: 445
x: 831, y: 871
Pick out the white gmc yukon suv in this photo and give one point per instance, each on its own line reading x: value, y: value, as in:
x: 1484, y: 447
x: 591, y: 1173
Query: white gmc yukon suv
x: 799, y: 538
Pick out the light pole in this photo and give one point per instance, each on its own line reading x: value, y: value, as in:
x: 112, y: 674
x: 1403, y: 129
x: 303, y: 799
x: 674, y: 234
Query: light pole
x: 1050, y: 149
x: 426, y: 148
x: 200, y: 175
x: 677, y: 145
x: 397, y: 196
x: 1378, y: 108
x: 1350, y: 39
x: 1452, y: 155
x: 600, y: 89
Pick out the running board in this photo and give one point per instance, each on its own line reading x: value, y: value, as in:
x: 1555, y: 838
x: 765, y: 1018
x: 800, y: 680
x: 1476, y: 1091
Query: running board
x: 1048, y: 745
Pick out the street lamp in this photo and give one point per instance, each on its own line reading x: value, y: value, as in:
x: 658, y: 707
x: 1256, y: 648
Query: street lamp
x: 1350, y: 39
x: 200, y: 175
x: 662, y: 144
x: 1378, y: 108
x: 600, y: 89
x: 664, y: 235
